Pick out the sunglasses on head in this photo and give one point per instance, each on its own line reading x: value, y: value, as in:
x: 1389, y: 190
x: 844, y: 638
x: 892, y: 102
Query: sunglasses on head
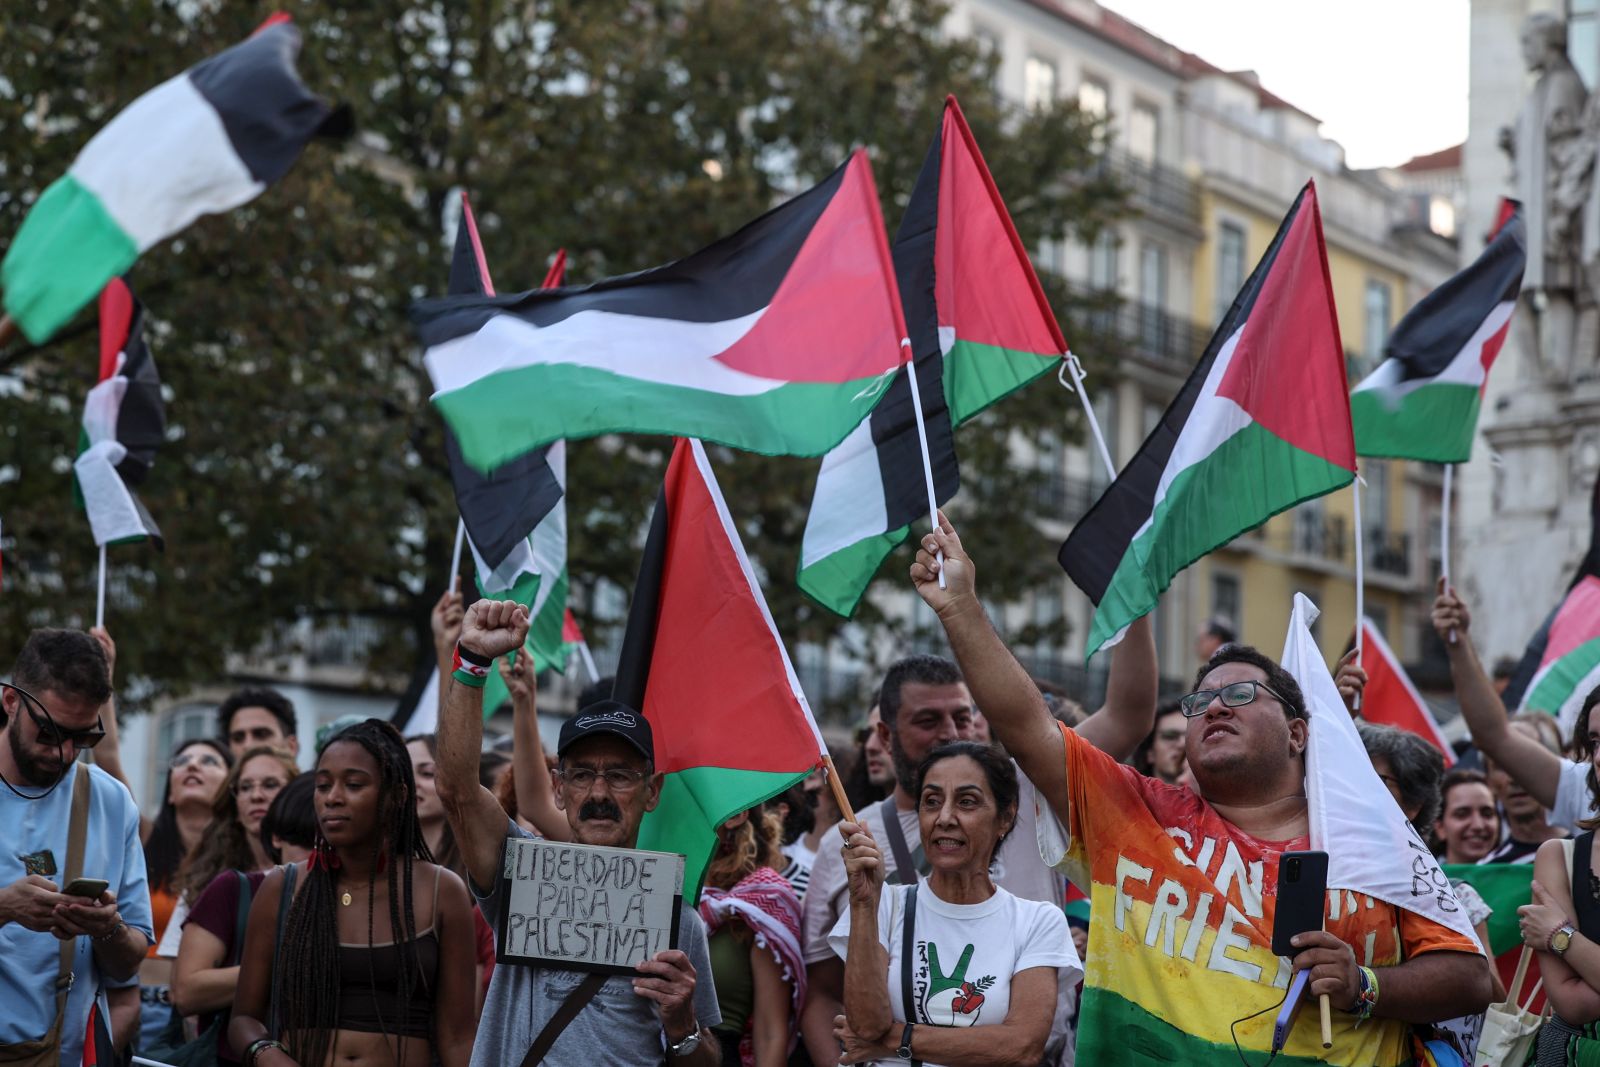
x: 49, y: 732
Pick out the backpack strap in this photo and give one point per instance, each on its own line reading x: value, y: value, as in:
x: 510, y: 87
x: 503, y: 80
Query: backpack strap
x: 907, y: 864
x: 284, y: 901
x: 908, y: 952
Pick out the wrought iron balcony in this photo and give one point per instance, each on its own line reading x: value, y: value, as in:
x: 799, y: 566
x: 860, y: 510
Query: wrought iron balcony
x: 1152, y: 187
x: 1388, y: 551
x: 1147, y: 331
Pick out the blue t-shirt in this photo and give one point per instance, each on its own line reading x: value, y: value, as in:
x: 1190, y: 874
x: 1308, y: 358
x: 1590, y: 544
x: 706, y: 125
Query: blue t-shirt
x: 111, y: 850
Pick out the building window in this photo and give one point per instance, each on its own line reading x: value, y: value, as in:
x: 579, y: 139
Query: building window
x: 1227, y: 598
x: 1375, y: 497
x: 1583, y: 38
x: 1103, y: 261
x: 1144, y: 133
x: 1441, y: 216
x: 987, y: 39
x: 1377, y: 320
x: 1230, y: 265
x: 1093, y: 97
x: 1379, y: 615
x: 1038, y: 82
x: 1153, y: 274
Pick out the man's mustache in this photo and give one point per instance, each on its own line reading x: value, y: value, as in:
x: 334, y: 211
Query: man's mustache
x: 600, y: 809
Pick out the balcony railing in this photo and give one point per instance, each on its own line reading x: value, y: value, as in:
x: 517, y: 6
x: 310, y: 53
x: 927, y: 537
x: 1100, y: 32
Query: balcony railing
x: 1388, y: 551
x: 1154, y: 188
x: 1318, y: 535
x: 1063, y: 497
x: 1150, y: 332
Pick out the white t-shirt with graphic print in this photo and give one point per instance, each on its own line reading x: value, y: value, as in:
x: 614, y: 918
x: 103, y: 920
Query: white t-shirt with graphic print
x: 967, y: 954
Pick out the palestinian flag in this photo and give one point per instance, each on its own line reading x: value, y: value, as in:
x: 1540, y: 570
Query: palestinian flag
x: 730, y: 736
x: 500, y: 508
x: 124, y: 422
x: 778, y: 339
x: 1391, y: 699
x: 1559, y: 655
x: 1422, y: 401
x: 204, y: 142
x: 1262, y: 423
x: 980, y: 327
x: 1505, y: 887
x: 572, y: 636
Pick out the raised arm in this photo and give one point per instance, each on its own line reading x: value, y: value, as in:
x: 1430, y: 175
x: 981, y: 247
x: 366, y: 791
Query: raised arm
x: 1531, y: 765
x: 536, y: 796
x: 491, y: 628
x: 866, y: 965
x: 1010, y: 701
x: 1132, y: 686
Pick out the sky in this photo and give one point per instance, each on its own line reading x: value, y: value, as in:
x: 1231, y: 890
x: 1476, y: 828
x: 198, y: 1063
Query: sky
x: 1388, y: 78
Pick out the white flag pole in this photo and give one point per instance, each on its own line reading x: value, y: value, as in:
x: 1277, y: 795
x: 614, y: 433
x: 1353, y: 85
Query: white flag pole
x: 100, y: 599
x: 1444, y: 531
x: 1361, y: 576
x: 922, y: 440
x: 1070, y: 365
x: 588, y: 661
x: 455, y: 556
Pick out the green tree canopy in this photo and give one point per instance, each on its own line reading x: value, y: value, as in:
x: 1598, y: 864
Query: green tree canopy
x: 304, y: 476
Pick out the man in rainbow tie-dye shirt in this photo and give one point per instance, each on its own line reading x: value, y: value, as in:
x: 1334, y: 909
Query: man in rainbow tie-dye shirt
x: 1183, y: 884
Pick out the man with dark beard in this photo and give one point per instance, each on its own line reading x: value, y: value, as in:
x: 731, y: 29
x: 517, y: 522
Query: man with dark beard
x: 925, y: 703
x: 607, y: 782
x: 60, y: 821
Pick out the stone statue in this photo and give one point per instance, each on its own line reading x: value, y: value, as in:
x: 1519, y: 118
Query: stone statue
x: 1553, y: 180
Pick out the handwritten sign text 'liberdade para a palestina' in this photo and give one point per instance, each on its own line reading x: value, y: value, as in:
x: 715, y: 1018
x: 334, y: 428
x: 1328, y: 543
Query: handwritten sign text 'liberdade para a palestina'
x: 587, y: 907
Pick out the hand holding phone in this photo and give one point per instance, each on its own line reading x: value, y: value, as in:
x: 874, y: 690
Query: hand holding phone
x: 1302, y: 898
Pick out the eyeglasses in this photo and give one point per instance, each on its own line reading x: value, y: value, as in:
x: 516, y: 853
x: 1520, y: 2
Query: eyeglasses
x: 265, y: 785
x: 203, y: 759
x: 618, y: 779
x: 49, y: 732
x: 1234, y: 695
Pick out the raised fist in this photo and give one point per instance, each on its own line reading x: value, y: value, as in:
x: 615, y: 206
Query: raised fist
x: 494, y: 627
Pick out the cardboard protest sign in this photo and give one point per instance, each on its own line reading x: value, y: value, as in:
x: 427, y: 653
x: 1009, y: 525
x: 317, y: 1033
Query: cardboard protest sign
x: 584, y: 907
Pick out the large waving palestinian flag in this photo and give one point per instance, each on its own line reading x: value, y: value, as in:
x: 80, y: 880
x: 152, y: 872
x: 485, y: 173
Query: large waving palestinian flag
x: 206, y: 141
x: 124, y: 422
x: 1561, y: 662
x: 1422, y: 401
x: 1262, y: 423
x: 703, y: 660
x: 779, y: 339
x: 980, y: 327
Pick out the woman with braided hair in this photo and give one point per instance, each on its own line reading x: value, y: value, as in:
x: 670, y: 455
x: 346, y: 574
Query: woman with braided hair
x: 374, y: 966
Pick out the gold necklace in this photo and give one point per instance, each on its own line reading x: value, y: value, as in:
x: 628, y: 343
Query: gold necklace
x: 345, y: 898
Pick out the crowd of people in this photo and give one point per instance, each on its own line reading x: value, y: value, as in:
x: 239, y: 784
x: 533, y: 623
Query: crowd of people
x: 998, y: 878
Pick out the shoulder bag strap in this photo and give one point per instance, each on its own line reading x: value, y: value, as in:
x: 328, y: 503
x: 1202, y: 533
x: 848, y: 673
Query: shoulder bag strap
x: 77, y: 830
x: 283, y: 914
x: 241, y: 919
x: 908, y: 958
x: 575, y: 1002
x: 905, y: 868
x: 1583, y: 901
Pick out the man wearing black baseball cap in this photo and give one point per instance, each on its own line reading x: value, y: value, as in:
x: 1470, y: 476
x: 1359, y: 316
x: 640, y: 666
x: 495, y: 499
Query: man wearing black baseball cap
x: 607, y: 781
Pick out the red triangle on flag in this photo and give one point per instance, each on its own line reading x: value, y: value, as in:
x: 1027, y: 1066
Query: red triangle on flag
x: 1391, y: 699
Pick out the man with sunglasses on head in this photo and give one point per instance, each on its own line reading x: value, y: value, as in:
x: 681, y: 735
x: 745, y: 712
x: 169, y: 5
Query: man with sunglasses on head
x: 1184, y: 882
x: 61, y: 820
x: 607, y: 781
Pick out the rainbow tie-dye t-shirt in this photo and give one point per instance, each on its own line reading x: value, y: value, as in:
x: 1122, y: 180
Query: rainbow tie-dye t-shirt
x: 1180, y: 931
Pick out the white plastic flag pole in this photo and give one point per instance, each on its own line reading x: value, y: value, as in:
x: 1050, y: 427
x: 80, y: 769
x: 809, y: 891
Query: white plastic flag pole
x: 1361, y: 576
x: 100, y: 599
x: 455, y: 557
x: 588, y: 661
x: 1444, y: 531
x: 1070, y: 365
x: 922, y: 440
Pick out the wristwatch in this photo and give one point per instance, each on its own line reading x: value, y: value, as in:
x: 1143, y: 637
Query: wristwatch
x: 904, y: 1051
x: 1561, y: 938
x: 688, y: 1044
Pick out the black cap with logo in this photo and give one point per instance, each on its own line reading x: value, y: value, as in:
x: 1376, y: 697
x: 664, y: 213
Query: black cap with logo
x: 608, y: 717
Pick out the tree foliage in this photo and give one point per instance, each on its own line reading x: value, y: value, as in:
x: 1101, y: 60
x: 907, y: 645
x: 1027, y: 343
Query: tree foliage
x: 304, y: 476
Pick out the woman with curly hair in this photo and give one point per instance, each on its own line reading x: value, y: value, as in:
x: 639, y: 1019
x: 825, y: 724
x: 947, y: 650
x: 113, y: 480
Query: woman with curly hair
x: 375, y: 963
x: 232, y: 842
x: 752, y: 918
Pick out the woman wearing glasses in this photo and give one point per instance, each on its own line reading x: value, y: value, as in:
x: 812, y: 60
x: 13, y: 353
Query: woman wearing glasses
x: 232, y: 840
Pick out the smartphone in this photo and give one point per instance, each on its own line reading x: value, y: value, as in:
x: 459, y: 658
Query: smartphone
x: 86, y: 887
x: 1302, y: 897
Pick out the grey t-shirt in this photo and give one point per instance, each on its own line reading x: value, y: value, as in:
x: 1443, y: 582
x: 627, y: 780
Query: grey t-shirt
x: 618, y: 1028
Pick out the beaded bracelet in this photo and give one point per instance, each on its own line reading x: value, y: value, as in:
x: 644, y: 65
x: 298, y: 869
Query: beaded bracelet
x: 470, y: 668
x: 257, y: 1047
x: 1367, y: 997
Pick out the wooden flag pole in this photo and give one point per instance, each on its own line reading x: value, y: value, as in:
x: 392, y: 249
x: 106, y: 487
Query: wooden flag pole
x: 100, y: 599
x: 838, y: 788
x: 927, y: 461
x: 455, y: 556
x: 1070, y: 365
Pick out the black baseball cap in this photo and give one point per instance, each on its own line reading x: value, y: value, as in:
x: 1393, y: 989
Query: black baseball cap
x: 608, y: 717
